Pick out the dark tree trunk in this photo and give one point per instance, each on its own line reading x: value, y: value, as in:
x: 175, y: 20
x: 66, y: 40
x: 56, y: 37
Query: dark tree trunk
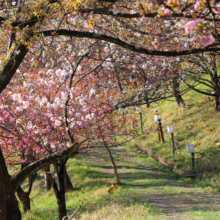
x: 60, y: 193
x: 62, y: 200
x: 176, y: 92
x: 146, y: 99
x: 47, y: 180
x: 24, y: 197
x: 9, y: 209
x: 113, y: 163
x: 217, y: 104
x: 141, y: 120
x: 32, y: 176
x: 67, y: 182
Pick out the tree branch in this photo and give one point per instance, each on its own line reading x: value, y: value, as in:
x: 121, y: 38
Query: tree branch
x: 105, y: 11
x: 13, y: 60
x: 126, y: 45
x: 19, y: 178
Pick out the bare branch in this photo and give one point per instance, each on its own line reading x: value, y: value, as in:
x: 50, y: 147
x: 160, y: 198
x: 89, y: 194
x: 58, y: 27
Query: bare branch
x: 125, y: 45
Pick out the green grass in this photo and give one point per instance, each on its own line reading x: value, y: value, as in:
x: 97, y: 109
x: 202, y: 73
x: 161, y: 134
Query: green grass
x: 197, y: 123
x: 148, y: 190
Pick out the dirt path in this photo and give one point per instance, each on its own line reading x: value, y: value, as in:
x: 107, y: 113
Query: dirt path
x: 172, y: 199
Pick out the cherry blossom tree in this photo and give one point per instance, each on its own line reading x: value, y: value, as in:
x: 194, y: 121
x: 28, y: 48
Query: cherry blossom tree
x: 67, y: 109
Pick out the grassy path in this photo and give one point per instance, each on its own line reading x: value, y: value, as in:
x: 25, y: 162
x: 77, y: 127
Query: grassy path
x: 148, y: 191
x: 170, y: 199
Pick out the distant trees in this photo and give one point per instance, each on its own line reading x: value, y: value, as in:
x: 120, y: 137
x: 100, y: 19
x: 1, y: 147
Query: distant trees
x: 200, y: 73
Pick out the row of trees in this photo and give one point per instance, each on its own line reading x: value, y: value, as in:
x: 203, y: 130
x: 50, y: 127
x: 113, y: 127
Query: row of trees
x: 74, y: 63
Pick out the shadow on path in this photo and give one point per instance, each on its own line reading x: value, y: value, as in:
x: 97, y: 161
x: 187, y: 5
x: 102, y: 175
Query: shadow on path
x: 172, y: 198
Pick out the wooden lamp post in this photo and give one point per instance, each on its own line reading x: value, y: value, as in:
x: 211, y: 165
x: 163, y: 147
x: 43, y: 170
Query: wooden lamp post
x: 157, y: 119
x: 191, y: 150
x: 170, y: 130
x: 139, y: 110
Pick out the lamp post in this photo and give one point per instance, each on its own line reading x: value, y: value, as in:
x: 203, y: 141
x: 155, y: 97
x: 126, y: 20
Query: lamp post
x: 156, y: 120
x: 139, y: 110
x: 161, y: 129
x: 156, y: 117
x: 170, y: 130
x: 191, y: 150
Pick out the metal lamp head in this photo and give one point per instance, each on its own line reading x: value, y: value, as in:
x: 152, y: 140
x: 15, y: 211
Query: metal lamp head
x: 170, y: 129
x: 191, y: 148
x: 139, y: 109
x: 157, y: 118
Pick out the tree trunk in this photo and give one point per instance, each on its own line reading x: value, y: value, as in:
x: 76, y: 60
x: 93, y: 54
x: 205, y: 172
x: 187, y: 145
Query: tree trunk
x: 113, y: 163
x: 47, y: 180
x: 12, y: 62
x: 9, y: 209
x: 59, y: 193
x: 67, y: 182
x: 141, y: 120
x: 146, y: 99
x: 176, y: 92
x: 217, y: 104
x: 62, y: 200
x: 24, y: 198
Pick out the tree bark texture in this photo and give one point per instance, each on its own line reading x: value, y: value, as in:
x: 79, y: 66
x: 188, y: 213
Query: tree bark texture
x: 217, y: 103
x: 67, y: 181
x: 61, y: 201
x: 59, y: 192
x: 146, y: 99
x: 24, y: 197
x: 11, y: 64
x: 176, y: 92
x: 9, y: 209
x: 113, y: 163
x: 47, y: 180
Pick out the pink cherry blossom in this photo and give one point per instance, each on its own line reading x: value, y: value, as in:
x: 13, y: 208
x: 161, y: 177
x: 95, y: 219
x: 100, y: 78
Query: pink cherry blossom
x: 197, y: 5
x: 57, y: 123
x: 166, y: 11
x: 189, y: 26
x: 52, y: 145
x: 150, y: 6
x: 208, y: 40
x: 29, y: 125
x: 78, y: 114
